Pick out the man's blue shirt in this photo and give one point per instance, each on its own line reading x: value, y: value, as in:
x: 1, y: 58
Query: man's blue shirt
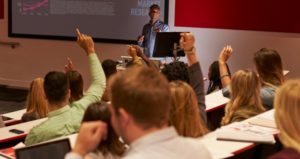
x: 149, y: 33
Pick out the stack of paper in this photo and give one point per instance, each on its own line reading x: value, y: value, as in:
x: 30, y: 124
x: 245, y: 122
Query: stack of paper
x: 260, y: 121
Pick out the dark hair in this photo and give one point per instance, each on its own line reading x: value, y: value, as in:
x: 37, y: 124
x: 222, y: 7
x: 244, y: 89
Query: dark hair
x: 109, y: 67
x: 176, y: 71
x: 154, y: 6
x: 112, y: 144
x: 56, y: 86
x: 144, y: 93
x: 269, y: 66
x: 76, y: 85
x: 214, y: 77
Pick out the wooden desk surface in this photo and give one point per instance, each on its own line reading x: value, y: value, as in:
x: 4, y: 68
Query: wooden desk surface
x: 5, y: 135
x: 217, y: 147
x: 15, y: 116
x: 215, y: 100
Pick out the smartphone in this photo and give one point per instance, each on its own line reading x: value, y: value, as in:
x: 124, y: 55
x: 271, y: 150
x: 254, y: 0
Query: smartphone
x: 16, y: 131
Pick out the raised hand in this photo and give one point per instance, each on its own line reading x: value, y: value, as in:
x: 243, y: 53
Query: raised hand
x: 187, y: 42
x: 69, y: 66
x: 86, y: 42
x: 139, y: 50
x: 132, y: 51
x: 225, y: 54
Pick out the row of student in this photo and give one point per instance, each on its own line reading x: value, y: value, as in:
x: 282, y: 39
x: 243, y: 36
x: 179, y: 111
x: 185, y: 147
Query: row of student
x: 145, y: 146
x: 286, y: 112
x: 196, y: 84
x: 179, y: 71
x: 141, y: 104
x: 36, y: 105
x: 64, y: 115
x: 270, y: 73
x: 173, y: 71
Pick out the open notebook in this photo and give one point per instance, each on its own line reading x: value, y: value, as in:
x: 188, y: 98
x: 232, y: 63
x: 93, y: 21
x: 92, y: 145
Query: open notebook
x: 246, y: 133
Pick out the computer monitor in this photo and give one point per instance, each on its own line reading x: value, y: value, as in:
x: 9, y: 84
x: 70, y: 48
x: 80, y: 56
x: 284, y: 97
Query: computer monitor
x: 166, y: 43
x: 49, y: 150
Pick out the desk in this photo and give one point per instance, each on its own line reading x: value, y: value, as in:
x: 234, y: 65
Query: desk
x: 215, y: 103
x: 6, y: 136
x: 16, y: 117
x: 217, y: 147
x: 215, y: 100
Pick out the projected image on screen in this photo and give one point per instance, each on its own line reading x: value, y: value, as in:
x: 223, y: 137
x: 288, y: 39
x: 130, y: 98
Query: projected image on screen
x: 34, y: 7
x: 110, y: 20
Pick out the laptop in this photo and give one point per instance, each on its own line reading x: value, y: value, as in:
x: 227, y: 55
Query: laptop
x: 55, y: 149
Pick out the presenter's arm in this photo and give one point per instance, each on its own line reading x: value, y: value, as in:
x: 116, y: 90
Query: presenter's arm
x: 141, y: 38
x: 165, y: 28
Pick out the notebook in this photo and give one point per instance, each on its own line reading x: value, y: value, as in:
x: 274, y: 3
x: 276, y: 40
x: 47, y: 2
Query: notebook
x: 49, y: 150
x: 245, y: 132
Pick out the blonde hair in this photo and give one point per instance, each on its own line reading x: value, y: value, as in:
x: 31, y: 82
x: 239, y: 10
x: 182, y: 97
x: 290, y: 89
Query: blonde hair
x: 245, y: 93
x: 36, y: 101
x: 184, y: 113
x: 287, y: 110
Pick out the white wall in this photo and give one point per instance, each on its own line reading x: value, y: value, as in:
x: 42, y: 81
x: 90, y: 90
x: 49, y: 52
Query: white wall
x: 36, y: 57
x: 209, y: 43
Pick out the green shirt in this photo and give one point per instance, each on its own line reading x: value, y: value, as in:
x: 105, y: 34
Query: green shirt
x: 67, y: 119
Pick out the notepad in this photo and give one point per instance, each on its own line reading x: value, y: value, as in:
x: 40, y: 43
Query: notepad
x: 260, y: 121
x: 245, y: 132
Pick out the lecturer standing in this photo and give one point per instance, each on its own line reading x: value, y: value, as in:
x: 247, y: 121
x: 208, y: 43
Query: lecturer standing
x: 147, y: 39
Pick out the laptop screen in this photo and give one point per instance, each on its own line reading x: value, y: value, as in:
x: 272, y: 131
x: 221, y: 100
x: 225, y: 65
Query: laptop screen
x: 56, y: 149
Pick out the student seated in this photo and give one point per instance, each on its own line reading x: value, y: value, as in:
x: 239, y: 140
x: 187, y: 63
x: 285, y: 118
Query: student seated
x: 287, y: 110
x: 109, y: 67
x: 215, y: 83
x: 184, y: 115
x: 185, y: 111
x: 36, y: 104
x: 112, y: 147
x: 76, y: 85
x: 190, y: 73
x: 75, y: 81
x: 63, y: 119
x: 244, y: 101
x: 140, y: 107
x: 137, y: 55
x: 269, y: 68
